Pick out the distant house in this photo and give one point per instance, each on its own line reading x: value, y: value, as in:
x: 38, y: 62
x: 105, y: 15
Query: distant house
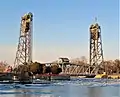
x: 63, y: 60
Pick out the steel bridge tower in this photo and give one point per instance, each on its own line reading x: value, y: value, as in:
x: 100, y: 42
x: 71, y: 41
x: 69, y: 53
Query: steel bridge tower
x: 24, y: 49
x: 96, y: 51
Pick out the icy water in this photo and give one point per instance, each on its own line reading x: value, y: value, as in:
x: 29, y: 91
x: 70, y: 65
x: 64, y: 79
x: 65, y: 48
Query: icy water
x: 73, y: 88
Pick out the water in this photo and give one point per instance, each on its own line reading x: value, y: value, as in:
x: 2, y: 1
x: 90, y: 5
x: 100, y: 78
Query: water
x: 73, y: 88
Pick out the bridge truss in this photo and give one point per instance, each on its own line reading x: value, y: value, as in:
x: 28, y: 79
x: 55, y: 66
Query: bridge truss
x: 96, y: 51
x: 24, y: 50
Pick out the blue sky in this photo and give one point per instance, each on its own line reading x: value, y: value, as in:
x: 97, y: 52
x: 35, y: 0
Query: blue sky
x: 61, y: 27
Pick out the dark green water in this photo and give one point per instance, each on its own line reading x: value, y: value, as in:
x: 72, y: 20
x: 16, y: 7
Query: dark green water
x: 73, y: 88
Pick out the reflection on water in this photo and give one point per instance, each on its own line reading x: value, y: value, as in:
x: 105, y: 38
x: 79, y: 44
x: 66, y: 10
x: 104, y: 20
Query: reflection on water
x: 23, y: 91
x: 95, y: 92
x: 79, y: 88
